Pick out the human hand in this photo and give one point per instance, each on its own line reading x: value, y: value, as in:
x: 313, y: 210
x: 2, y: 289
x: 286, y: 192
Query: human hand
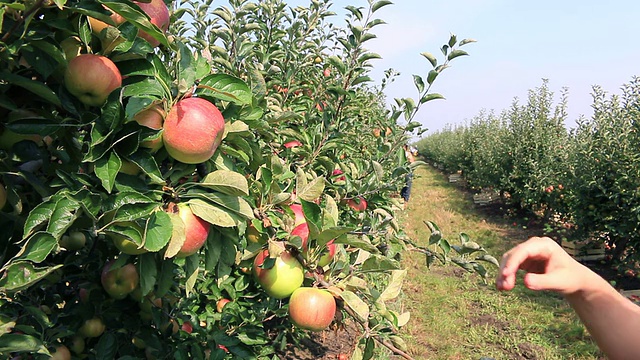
x: 548, y: 267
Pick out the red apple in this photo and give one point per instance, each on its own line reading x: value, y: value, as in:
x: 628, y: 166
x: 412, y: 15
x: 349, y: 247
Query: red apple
x: 156, y: 10
x: 91, y: 78
x: 326, y: 72
x: 61, y: 353
x: 97, y: 26
x: 311, y: 308
x: 279, y: 281
x: 357, y: 204
x: 299, y: 215
x: 328, y: 252
x: 153, y: 118
x: 92, y: 328
x: 221, y: 304
x: 193, y: 130
x: 118, y: 283
x: 292, y: 144
x: 187, y: 327
x: 376, y: 132
x: 159, y: 14
x: 197, y: 230
x: 336, y: 172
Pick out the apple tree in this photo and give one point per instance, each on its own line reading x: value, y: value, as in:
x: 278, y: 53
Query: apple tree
x: 157, y: 159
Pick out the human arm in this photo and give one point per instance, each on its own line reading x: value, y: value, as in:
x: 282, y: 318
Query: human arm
x: 612, y: 320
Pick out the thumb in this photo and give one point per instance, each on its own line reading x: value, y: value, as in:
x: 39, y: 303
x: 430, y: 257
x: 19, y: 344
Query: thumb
x: 544, y: 282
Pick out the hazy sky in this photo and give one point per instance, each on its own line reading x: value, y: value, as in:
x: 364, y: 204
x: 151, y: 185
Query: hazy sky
x: 574, y: 44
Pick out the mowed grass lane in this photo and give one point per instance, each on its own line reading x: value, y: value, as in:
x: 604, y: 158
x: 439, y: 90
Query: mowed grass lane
x: 455, y: 316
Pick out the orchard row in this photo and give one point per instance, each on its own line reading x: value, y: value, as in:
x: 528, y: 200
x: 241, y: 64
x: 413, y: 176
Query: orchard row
x: 585, y: 180
x: 185, y: 181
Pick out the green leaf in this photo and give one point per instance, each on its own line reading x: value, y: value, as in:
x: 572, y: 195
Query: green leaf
x: 395, y: 285
x: 191, y: 272
x: 488, y: 258
x: 432, y: 59
x: 234, y: 203
x: 466, y: 41
x: 213, y: 214
x: 429, y: 97
x: 378, y: 4
x: 107, y: 347
x: 106, y: 168
x: 177, y: 236
x: 312, y: 190
x: 37, y: 248
x: 227, y: 182
x: 136, y: 16
x: 158, y: 231
x: 360, y: 242
x: 456, y: 53
x: 417, y: 80
x: 377, y: 263
x: 40, y: 214
x: 64, y: 213
x: 148, y: 272
x: 225, y: 87
x: 359, y: 307
x: 432, y: 76
x: 10, y: 343
x: 36, y: 87
x: 22, y: 274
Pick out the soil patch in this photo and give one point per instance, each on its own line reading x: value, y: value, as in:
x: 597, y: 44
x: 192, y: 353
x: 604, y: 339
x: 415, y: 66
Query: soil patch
x: 325, y: 345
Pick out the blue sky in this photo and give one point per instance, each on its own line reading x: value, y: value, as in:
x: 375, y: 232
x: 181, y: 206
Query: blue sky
x: 574, y: 44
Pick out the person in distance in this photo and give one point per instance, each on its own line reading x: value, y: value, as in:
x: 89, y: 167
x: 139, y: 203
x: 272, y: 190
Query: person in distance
x: 612, y: 320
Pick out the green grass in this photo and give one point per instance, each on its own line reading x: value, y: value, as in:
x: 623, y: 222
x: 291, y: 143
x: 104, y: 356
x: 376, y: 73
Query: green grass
x: 455, y: 316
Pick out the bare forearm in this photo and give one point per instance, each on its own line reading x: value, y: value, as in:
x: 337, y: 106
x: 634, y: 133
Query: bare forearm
x: 612, y: 320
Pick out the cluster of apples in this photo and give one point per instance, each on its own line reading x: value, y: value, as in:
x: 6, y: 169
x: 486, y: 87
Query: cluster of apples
x: 190, y: 132
x: 310, y: 308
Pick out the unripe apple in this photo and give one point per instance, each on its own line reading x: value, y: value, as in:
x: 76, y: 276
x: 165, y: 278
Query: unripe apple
x: 74, y: 241
x: 281, y: 280
x: 253, y: 235
x: 129, y: 168
x: 71, y: 47
x: 61, y: 353
x: 193, y: 130
x: 126, y: 245
x: 92, y: 328
x: 153, y: 118
x: 196, y: 229
x: 77, y: 344
x: 91, y: 78
x: 118, y: 283
x: 311, y: 308
x: 376, y: 132
x: 326, y: 72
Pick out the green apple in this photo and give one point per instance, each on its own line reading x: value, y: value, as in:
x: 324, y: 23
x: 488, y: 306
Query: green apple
x: 118, y: 283
x: 61, y: 353
x: 279, y: 281
x: 74, y: 241
x: 71, y: 47
x: 92, y: 328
